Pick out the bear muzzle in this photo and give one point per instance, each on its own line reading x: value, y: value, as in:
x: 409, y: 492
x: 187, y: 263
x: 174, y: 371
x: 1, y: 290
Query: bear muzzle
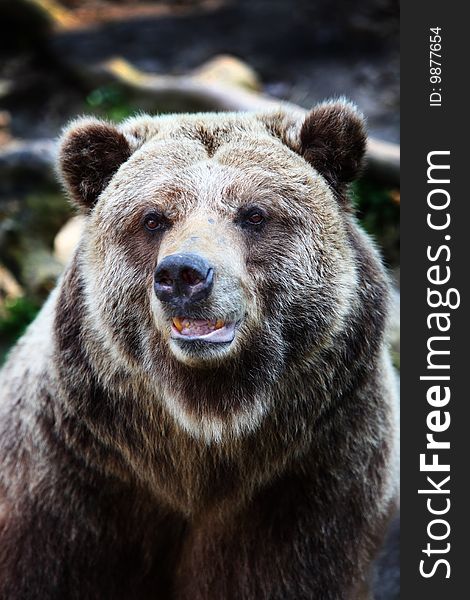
x: 183, y: 282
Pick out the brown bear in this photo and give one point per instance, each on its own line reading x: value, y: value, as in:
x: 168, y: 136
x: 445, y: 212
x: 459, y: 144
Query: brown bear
x: 204, y: 409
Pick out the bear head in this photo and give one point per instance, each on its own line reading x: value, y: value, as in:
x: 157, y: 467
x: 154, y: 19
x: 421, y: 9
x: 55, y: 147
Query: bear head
x: 216, y: 254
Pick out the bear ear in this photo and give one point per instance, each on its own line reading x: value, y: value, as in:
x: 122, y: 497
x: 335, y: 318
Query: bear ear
x: 333, y: 140
x: 90, y: 152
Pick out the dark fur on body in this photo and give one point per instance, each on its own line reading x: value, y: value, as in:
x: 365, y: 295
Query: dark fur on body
x: 103, y: 492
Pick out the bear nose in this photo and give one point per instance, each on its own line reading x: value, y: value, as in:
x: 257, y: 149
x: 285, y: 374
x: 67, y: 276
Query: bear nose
x: 182, y: 279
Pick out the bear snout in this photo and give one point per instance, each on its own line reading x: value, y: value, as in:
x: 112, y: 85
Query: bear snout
x: 183, y: 279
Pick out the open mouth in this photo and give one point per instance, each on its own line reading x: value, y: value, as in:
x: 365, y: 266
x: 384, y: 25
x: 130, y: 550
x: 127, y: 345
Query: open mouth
x: 215, y: 330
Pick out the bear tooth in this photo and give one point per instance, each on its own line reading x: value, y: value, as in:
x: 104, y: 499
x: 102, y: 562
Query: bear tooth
x: 177, y: 323
x: 219, y: 324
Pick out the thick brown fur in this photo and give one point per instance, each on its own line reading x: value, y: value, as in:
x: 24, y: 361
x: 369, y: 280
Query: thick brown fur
x: 133, y: 466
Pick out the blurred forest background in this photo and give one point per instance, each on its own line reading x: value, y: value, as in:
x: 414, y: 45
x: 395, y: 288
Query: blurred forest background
x: 113, y: 58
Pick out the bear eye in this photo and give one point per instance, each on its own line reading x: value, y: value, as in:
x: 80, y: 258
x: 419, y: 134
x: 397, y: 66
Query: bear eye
x: 154, y: 222
x: 253, y: 217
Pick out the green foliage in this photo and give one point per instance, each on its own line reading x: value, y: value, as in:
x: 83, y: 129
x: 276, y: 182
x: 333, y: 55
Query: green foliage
x: 15, y: 316
x: 395, y: 359
x: 379, y: 214
x: 111, y: 102
x: 28, y: 225
x: 46, y: 212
